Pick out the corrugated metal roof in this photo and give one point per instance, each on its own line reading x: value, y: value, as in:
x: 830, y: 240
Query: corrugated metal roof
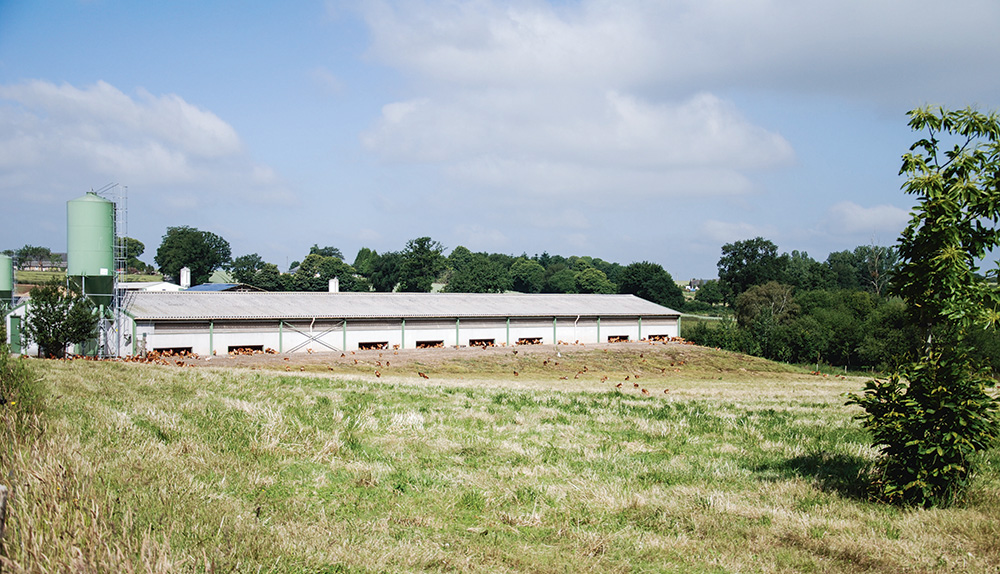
x: 270, y: 305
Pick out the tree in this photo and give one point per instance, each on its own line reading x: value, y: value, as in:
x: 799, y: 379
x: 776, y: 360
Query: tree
x: 562, y: 281
x: 710, y: 293
x: 200, y: 251
x: 479, y: 274
x: 932, y: 418
x: 651, y: 282
x: 58, y: 317
x: 527, y: 275
x: 245, y: 268
x: 131, y: 249
x: 268, y: 278
x: 386, y: 271
x: 772, y: 297
x: 593, y: 280
x: 364, y: 262
x: 747, y: 263
x: 31, y: 254
x: 420, y: 264
x: 875, y: 266
x: 327, y: 251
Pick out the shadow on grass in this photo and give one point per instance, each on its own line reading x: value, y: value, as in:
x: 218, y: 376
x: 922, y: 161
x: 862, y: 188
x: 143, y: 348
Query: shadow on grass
x: 846, y: 475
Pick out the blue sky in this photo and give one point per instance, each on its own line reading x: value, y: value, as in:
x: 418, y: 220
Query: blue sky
x: 625, y: 130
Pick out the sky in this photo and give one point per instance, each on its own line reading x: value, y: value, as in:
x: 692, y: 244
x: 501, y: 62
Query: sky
x: 625, y: 130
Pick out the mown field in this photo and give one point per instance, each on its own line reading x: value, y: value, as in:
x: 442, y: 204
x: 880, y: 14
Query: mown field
x: 741, y: 466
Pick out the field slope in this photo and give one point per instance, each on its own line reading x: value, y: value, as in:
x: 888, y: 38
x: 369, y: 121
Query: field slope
x: 737, y: 467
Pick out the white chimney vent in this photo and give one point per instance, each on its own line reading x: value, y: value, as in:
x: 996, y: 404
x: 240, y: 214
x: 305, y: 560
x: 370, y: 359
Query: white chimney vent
x: 335, y: 285
x: 185, y: 277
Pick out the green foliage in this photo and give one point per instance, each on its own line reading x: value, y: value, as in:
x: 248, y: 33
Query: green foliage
x: 131, y: 250
x: 31, y: 256
x: 200, y: 251
x: 772, y: 297
x: 420, y: 264
x: 245, y: 268
x: 527, y: 275
x: 364, y: 262
x: 327, y: 251
x: 747, y: 263
x: 931, y: 420
x: 386, y: 271
x: 710, y: 292
x: 593, y: 280
x: 477, y: 273
x: 315, y: 272
x: 562, y: 281
x: 652, y: 283
x: 268, y: 277
x: 58, y: 317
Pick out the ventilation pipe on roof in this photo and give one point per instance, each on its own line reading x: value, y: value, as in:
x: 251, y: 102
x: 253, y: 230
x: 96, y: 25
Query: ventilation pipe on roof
x: 185, y: 277
x: 335, y: 285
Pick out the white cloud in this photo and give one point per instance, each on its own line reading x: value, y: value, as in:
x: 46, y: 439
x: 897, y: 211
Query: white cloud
x: 890, y: 47
x: 726, y: 232
x: 849, y: 218
x: 68, y: 138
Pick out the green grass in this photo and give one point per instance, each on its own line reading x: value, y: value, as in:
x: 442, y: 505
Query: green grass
x: 162, y: 469
x: 39, y: 277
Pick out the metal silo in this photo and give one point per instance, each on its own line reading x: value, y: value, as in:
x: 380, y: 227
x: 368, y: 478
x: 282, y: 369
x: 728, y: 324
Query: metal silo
x: 6, y: 281
x: 90, y: 257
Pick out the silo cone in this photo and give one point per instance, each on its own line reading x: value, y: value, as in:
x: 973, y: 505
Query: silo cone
x: 90, y: 255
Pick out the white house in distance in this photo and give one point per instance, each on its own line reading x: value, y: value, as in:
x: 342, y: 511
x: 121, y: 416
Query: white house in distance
x: 218, y: 322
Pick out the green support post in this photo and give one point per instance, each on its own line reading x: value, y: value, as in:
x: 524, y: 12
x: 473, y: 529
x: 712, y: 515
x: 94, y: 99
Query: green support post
x: 457, y: 322
x: 598, y: 329
x: 555, y: 340
x: 508, y: 331
x: 343, y: 328
x: 281, y: 336
x: 211, y: 333
x: 15, y: 335
x: 640, y: 328
x: 402, y: 335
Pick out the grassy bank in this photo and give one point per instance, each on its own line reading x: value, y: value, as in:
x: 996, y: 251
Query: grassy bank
x: 152, y: 468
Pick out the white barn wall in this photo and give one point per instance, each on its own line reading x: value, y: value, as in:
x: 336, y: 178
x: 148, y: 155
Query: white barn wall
x: 328, y: 336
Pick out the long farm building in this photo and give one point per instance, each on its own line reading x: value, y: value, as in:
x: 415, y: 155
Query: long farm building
x: 216, y: 323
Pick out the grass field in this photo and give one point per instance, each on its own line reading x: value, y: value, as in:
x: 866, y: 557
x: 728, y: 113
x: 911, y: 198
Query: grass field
x: 736, y: 468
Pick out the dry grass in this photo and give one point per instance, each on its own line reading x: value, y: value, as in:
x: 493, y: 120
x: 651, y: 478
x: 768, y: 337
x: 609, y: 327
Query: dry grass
x: 157, y: 469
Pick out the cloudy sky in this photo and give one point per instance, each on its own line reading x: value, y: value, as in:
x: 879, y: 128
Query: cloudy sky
x: 625, y: 130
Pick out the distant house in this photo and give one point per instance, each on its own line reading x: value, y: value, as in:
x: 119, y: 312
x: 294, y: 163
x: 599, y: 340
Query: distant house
x: 57, y: 262
x: 150, y: 286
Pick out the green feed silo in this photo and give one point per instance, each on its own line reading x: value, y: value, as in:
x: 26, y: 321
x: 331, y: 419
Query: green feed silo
x: 90, y: 258
x: 6, y: 281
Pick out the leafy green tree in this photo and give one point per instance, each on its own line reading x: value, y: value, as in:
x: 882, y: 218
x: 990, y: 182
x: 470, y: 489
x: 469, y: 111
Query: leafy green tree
x: 420, y: 264
x: 747, y: 263
x: 268, y: 278
x: 593, y: 280
x: 562, y: 281
x: 527, y: 275
x: 200, y: 251
x: 386, y: 270
x: 327, y: 251
x: 58, y: 317
x: 245, y: 268
x: 932, y: 419
x: 806, y: 274
x: 131, y: 249
x: 479, y: 274
x: 773, y: 297
x: 710, y: 292
x: 844, y: 270
x: 651, y: 282
x: 364, y: 262
x: 29, y: 254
